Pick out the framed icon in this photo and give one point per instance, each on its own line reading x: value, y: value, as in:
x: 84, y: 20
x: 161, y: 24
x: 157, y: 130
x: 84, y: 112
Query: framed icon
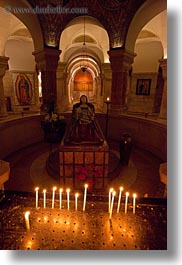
x: 143, y: 87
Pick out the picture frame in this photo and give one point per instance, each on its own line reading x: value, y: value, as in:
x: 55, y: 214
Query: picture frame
x: 143, y: 87
x: 24, y: 88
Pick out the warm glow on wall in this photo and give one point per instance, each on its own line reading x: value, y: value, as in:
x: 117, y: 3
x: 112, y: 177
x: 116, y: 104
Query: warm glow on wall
x: 83, y: 81
x: 40, y: 84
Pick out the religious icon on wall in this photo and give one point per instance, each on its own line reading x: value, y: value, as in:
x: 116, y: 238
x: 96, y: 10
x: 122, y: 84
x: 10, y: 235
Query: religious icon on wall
x: 23, y: 89
x: 143, y: 87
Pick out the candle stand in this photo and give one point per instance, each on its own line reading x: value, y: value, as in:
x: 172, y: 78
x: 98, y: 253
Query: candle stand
x: 63, y: 229
x: 107, y: 117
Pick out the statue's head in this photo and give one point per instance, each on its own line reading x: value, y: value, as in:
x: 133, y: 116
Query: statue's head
x: 83, y: 99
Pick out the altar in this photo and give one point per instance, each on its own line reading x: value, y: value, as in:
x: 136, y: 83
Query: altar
x: 81, y: 164
x: 84, y: 152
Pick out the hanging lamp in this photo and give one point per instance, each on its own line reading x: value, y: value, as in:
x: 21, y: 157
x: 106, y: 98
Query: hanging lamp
x: 84, y: 61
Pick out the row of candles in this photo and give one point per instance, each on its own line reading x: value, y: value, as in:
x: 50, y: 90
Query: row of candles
x: 112, y: 194
x: 60, y: 197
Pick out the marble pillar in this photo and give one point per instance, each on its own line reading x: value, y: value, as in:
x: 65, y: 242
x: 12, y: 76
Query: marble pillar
x: 163, y: 108
x: 121, y: 62
x: 3, y: 68
x: 47, y: 62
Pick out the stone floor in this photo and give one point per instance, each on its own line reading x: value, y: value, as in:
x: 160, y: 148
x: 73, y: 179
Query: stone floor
x: 28, y: 169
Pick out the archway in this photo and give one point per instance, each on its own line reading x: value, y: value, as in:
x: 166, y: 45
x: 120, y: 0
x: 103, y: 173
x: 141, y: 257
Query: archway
x: 145, y: 13
x: 31, y: 21
x: 97, y: 42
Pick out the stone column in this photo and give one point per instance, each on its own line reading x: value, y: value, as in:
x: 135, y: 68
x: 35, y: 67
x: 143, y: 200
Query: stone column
x: 163, y: 109
x: 3, y: 68
x: 62, y: 100
x: 121, y: 62
x: 47, y: 62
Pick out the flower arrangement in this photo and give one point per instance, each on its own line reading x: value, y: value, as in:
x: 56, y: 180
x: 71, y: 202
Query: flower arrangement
x: 88, y: 174
x: 54, y: 126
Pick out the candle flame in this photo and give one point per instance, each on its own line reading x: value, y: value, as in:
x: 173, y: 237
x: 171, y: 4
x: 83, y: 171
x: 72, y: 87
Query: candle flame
x: 134, y: 195
x: 68, y: 190
x: 111, y: 189
x: 86, y: 185
x: 76, y: 195
x: 108, y: 98
x: 37, y: 188
x: 54, y: 188
x: 61, y: 190
x: 44, y: 191
x: 27, y: 215
x: 127, y: 193
x: 121, y: 188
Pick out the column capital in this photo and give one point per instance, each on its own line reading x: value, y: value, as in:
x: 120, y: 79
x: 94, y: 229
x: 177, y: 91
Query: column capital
x: 47, y: 59
x: 3, y: 65
x: 163, y: 65
x: 120, y: 59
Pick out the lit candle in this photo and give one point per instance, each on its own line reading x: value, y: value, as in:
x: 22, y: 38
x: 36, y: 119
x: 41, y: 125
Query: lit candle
x: 112, y: 203
x: 60, y: 198
x: 126, y: 201
x: 36, y: 196
x: 108, y: 98
x: 134, y: 202
x: 44, y: 192
x: 53, y: 195
x: 85, y: 196
x: 119, y: 199
x: 27, y: 223
x: 110, y: 192
x: 68, y: 198
x: 76, y: 201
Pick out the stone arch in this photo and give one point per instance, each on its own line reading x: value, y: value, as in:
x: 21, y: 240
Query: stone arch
x: 97, y: 48
x: 144, y: 14
x: 30, y: 21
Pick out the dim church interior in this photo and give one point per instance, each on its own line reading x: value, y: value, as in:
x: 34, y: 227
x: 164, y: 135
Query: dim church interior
x: 31, y: 45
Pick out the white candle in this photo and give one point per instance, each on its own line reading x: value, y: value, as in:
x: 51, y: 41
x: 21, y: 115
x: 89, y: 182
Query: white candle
x: 112, y: 203
x: 110, y: 192
x: 119, y: 199
x: 68, y: 198
x: 27, y: 223
x: 126, y: 201
x: 76, y: 201
x: 60, y: 198
x: 53, y: 195
x: 36, y: 196
x: 134, y: 202
x: 85, y: 196
x: 44, y: 192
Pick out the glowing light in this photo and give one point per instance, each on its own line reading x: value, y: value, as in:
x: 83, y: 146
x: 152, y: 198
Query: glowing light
x: 134, y: 202
x: 36, y: 196
x: 126, y: 201
x: 85, y: 196
x: 60, y: 198
x: 76, y: 201
x: 27, y: 223
x: 53, y: 195
x: 44, y: 194
x: 119, y: 199
x: 112, y: 203
x: 68, y: 198
x: 110, y: 192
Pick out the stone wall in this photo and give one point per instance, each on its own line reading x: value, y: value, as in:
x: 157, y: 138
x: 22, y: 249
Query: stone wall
x: 142, y: 103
